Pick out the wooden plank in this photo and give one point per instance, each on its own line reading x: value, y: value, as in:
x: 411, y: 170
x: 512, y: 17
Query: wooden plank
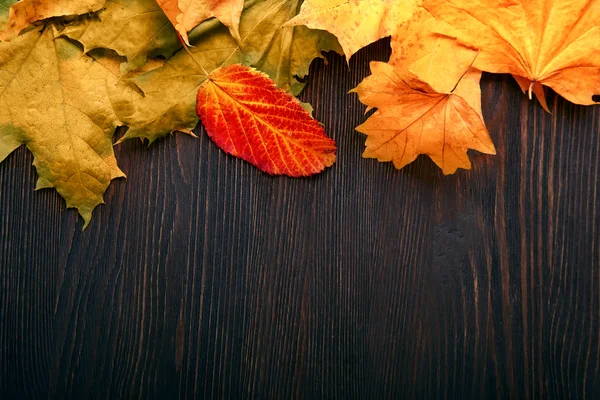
x: 203, y: 277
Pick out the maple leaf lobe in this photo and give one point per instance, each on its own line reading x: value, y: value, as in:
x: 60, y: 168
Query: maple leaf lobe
x: 355, y: 23
x: 186, y: 14
x: 247, y: 116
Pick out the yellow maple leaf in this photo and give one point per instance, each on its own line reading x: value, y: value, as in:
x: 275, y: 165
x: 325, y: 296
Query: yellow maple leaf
x: 187, y: 14
x: 356, y: 23
x: 540, y: 42
x: 413, y: 119
x: 26, y: 12
x: 54, y: 100
x: 136, y: 29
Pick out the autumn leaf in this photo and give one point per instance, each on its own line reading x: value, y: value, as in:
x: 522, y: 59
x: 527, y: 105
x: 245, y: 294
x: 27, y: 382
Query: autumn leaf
x: 53, y: 100
x: 247, y: 116
x: 413, y: 118
x: 356, y: 23
x: 169, y: 100
x: 136, y: 30
x: 540, y: 42
x: 187, y: 14
x: 26, y: 12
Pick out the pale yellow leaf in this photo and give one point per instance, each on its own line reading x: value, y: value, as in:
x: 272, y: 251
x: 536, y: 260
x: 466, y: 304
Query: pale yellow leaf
x: 356, y: 23
x: 54, y: 100
x: 187, y: 14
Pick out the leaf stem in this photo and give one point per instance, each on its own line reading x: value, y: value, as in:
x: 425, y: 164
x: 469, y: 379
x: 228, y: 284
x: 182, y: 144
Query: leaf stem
x: 531, y: 89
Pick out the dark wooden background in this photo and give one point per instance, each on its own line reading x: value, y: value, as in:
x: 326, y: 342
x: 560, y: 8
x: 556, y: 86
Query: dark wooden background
x: 203, y: 277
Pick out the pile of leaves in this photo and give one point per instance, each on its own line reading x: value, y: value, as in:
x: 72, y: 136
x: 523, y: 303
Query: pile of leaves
x: 72, y: 72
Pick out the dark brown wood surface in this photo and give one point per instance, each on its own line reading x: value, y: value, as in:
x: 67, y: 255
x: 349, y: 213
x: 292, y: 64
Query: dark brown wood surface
x: 203, y: 277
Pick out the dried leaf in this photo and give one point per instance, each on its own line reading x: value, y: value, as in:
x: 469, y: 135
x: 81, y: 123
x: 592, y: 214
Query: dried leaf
x: 356, y: 23
x: 413, y: 118
x: 185, y: 15
x: 541, y: 42
x: 283, y: 53
x: 53, y: 100
x: 247, y: 116
x: 136, y: 30
x: 26, y: 12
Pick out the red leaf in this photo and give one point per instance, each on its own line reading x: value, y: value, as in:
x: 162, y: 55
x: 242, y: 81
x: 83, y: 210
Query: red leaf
x: 247, y: 116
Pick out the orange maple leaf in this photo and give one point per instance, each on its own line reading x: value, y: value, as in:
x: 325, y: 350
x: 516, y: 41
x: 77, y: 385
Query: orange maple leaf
x: 185, y: 15
x: 247, y: 116
x: 413, y: 118
x: 540, y: 42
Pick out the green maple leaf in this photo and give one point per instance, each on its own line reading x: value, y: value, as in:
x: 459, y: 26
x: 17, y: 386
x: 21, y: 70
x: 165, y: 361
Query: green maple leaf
x: 284, y: 54
x: 135, y: 29
x: 54, y: 99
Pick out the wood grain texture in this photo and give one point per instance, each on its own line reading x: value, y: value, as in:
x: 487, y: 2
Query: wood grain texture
x: 203, y: 277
